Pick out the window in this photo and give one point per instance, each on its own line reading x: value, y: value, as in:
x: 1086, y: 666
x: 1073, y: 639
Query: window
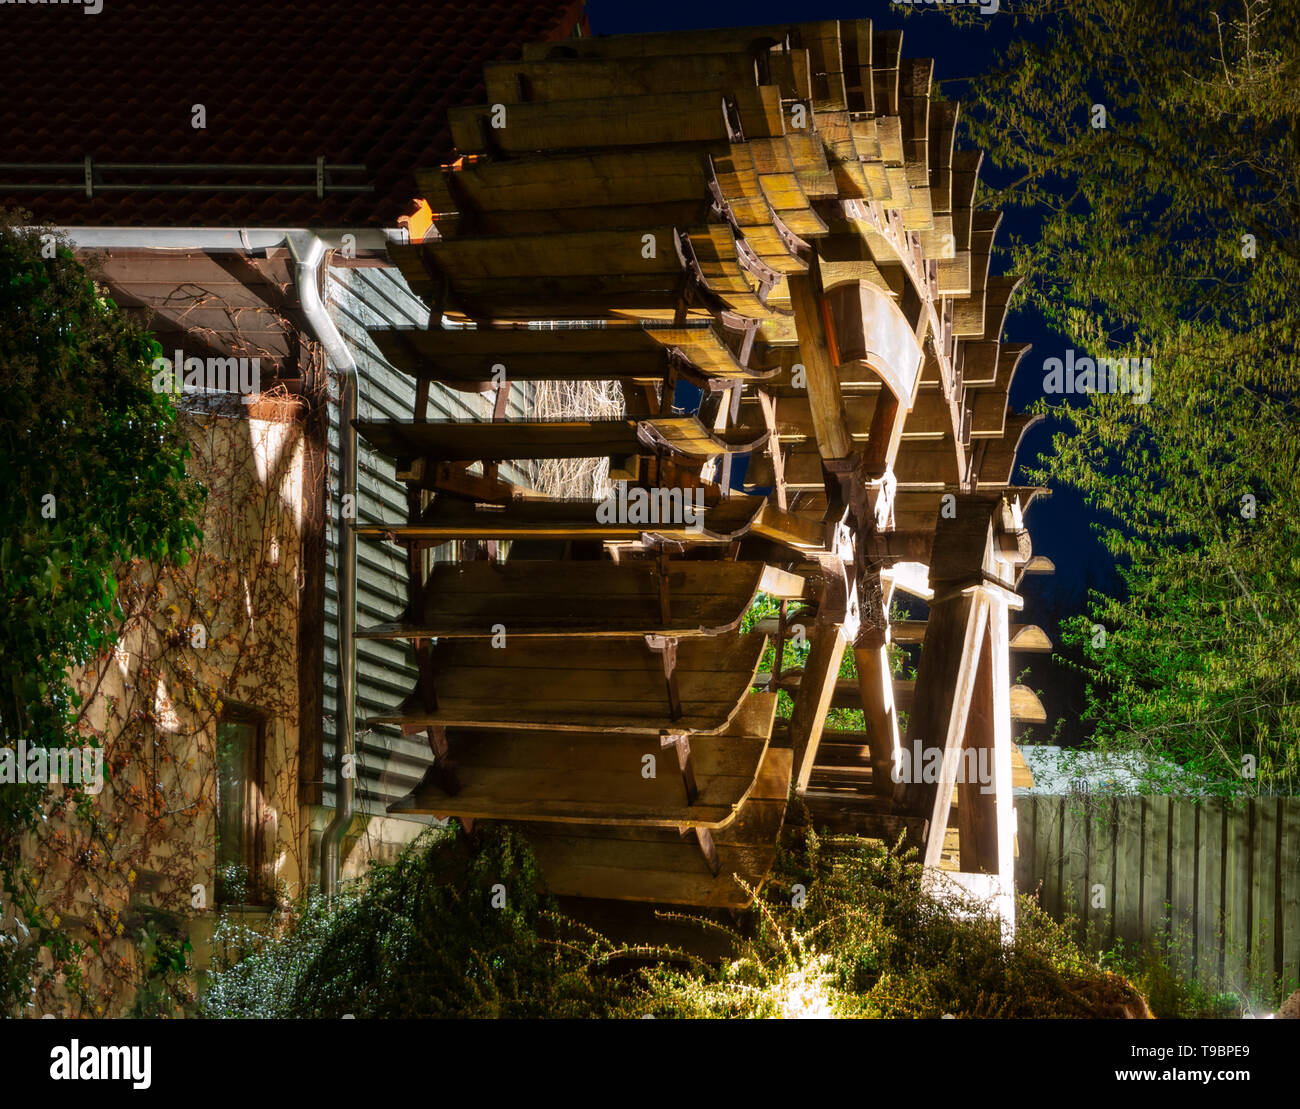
x: 239, y: 871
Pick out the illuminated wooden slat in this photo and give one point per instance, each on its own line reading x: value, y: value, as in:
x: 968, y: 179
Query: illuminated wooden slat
x: 685, y: 117
x: 631, y: 864
x: 449, y: 518
x: 590, y: 777
x: 562, y: 79
x: 589, y: 598
x: 613, y: 685
x: 444, y: 440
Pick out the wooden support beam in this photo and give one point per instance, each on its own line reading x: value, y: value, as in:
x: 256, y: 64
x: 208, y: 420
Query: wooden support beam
x: 792, y: 529
x: 944, y: 683
x: 704, y: 837
x: 1003, y: 772
x: 876, y: 687
x: 976, y: 798
x: 907, y: 631
x: 665, y: 646
x: 681, y: 743
x: 826, y: 646
x: 768, y: 407
x: 834, y: 441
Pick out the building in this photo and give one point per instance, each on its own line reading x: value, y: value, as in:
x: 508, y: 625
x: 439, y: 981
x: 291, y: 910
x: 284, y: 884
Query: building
x: 233, y: 176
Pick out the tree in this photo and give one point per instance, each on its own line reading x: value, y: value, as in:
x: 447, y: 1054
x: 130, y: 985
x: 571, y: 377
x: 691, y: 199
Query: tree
x: 1151, y: 152
x: 94, y: 475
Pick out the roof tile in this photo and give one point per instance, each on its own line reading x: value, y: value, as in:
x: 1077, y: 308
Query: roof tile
x: 353, y: 81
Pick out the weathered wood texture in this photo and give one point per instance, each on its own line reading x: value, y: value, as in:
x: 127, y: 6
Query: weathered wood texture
x: 595, y: 598
x: 633, y: 864
x: 1222, y: 879
x: 588, y: 777
x: 583, y: 684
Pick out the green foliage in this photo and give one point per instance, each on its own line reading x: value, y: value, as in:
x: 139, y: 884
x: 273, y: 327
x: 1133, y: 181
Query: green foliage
x: 94, y: 469
x: 1172, y: 993
x: 164, y: 957
x: 864, y: 941
x: 794, y: 655
x: 421, y: 939
x: 1172, y: 233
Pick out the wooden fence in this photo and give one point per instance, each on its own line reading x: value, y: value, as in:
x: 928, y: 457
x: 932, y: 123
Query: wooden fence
x: 1222, y: 880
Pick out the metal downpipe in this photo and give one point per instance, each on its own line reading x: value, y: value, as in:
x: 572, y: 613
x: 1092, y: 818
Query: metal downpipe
x: 308, y: 253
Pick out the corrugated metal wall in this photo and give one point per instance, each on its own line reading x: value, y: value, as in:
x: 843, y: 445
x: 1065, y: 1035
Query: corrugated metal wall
x: 388, y: 764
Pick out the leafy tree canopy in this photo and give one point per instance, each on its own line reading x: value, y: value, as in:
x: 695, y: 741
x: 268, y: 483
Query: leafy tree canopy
x: 1150, y: 150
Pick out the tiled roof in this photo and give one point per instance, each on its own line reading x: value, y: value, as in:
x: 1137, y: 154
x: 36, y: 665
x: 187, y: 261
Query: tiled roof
x: 363, y: 82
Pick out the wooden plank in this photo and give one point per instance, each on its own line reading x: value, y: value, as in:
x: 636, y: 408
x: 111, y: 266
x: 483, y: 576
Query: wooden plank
x: 472, y: 441
x: 599, y: 78
x: 976, y: 799
x: 1030, y: 639
x: 574, y: 684
x: 569, y: 254
x: 784, y: 585
x: 1183, y: 853
x: 687, y: 117
x: 1102, y: 873
x: 1155, y: 864
x: 461, y: 441
x: 1002, y: 811
x: 1289, y: 880
x: 853, y: 815
x: 1237, y: 891
x: 576, y: 777
x: 1021, y: 776
x: 1047, y: 851
x: 1126, y: 895
x: 790, y: 528
x: 1026, y: 836
x: 826, y: 646
x: 659, y: 865
x: 1265, y: 916
x: 475, y: 358
x: 687, y: 436
x: 575, y: 520
x: 587, y: 191
x: 598, y: 598
x: 944, y: 682
x: 1210, y: 892
x: 1075, y: 851
x: 847, y: 692
x: 834, y: 441
x: 876, y: 692
x: 1026, y: 708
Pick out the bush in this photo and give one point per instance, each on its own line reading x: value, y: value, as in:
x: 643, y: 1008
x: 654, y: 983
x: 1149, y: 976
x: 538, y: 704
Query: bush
x: 422, y: 938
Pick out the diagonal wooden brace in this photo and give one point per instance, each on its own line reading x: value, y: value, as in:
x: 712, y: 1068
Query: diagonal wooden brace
x: 666, y: 647
x: 682, y: 743
x: 705, y: 839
